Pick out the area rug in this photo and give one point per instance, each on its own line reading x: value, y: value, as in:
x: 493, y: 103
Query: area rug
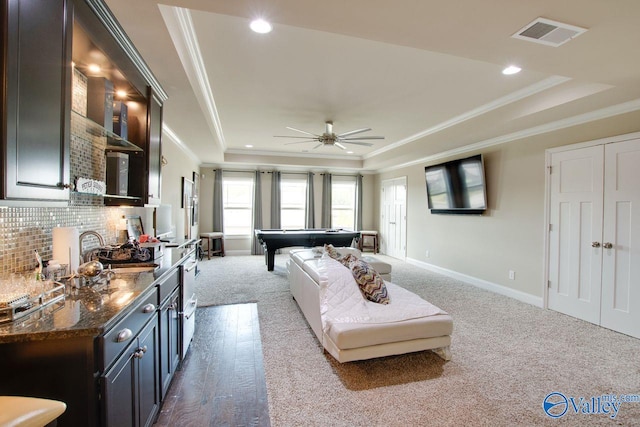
x: 508, y: 357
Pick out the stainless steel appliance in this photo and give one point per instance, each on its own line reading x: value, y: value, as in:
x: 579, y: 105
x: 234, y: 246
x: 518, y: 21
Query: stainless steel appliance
x: 189, y: 301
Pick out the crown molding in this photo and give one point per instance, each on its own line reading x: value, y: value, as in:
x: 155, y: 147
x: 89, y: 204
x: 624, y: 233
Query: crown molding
x: 483, y: 109
x: 289, y: 154
x: 603, y: 113
x: 180, y: 27
x: 104, y: 14
x: 173, y: 137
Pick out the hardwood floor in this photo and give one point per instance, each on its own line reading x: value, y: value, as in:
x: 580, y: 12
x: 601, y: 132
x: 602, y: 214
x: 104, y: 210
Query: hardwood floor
x: 222, y: 381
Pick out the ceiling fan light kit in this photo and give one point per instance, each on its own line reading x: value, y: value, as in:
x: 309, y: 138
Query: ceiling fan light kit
x: 330, y: 138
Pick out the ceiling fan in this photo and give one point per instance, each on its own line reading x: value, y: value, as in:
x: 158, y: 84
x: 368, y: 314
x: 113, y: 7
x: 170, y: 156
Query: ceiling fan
x: 330, y: 138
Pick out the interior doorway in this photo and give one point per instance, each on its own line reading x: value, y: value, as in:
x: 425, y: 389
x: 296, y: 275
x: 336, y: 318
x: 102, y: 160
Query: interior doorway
x: 393, y: 217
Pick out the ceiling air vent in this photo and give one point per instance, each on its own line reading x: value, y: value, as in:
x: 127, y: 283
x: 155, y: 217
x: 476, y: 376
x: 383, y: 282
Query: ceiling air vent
x: 548, y: 32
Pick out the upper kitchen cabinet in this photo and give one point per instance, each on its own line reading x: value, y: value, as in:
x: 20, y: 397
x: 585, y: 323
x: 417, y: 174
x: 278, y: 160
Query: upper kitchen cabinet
x: 114, y: 88
x: 80, y: 107
x: 36, y: 71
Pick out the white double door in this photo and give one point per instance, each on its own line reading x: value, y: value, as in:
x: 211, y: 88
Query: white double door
x: 594, y: 235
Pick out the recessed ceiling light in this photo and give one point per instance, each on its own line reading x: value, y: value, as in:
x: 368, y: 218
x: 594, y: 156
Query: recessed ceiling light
x: 94, y: 68
x: 511, y: 69
x: 261, y: 26
x: 349, y: 152
x: 121, y: 93
x: 249, y: 146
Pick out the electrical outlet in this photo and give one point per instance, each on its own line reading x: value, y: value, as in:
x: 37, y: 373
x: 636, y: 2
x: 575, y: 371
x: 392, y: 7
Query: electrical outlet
x: 512, y: 275
x: 426, y: 254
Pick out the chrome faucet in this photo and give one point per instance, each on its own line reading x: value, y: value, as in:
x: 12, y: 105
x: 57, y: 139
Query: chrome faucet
x: 83, y: 255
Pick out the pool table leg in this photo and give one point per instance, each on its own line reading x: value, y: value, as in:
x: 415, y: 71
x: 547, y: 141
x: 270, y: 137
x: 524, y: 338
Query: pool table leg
x: 270, y: 259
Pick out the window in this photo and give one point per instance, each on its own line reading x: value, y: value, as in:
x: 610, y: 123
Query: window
x: 343, y: 202
x: 293, y: 198
x: 237, y: 200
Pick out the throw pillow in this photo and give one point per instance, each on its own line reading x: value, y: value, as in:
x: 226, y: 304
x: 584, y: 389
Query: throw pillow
x: 347, y: 259
x: 331, y: 251
x: 369, y: 281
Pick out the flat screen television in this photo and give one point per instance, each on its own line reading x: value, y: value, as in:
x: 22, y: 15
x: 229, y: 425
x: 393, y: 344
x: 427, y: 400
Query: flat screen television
x: 457, y: 187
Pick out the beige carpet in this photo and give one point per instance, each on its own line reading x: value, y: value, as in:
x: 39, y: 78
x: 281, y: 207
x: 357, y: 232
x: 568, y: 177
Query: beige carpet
x: 507, y: 357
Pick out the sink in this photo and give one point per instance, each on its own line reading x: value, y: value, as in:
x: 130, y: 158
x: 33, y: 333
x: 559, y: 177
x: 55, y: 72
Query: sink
x: 132, y: 268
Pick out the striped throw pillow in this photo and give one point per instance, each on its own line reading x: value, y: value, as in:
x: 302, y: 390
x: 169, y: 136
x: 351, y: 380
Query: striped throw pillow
x: 369, y: 281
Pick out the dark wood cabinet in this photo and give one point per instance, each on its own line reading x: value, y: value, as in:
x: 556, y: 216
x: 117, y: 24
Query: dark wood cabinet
x: 145, y: 170
x: 154, y: 149
x: 36, y: 66
x: 131, y: 386
x: 169, y: 340
x: 40, y: 40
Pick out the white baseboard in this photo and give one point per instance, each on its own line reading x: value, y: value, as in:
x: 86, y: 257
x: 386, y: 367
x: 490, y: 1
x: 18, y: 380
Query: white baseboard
x: 238, y: 252
x: 483, y: 284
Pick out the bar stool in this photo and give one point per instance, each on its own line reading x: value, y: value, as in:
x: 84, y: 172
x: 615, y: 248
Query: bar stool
x: 29, y: 411
x: 374, y: 240
x: 211, y: 239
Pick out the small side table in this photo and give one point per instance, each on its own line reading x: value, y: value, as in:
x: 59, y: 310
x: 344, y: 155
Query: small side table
x: 373, y: 235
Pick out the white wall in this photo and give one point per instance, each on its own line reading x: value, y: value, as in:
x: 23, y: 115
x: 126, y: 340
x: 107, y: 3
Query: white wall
x: 179, y: 165
x: 510, y: 236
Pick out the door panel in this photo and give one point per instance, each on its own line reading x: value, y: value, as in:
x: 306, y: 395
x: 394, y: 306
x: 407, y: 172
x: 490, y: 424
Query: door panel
x: 621, y: 263
x: 394, y: 218
x: 576, y: 222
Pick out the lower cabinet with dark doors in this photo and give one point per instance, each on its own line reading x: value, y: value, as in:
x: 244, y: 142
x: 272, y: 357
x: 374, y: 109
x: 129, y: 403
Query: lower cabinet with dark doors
x: 115, y: 379
x: 130, y: 383
x: 131, y: 386
x: 170, y: 330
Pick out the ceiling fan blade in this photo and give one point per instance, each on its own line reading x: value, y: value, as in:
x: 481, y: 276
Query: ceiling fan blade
x: 353, y: 132
x: 302, y: 131
x: 289, y: 136
x: 301, y: 142
x: 337, y: 144
x: 319, y: 145
x: 356, y: 138
x: 366, y: 144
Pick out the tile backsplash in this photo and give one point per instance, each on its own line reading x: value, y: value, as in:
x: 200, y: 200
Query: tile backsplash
x: 23, y: 229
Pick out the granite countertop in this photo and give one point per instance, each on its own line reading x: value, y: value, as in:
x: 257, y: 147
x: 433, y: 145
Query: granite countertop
x: 91, y: 310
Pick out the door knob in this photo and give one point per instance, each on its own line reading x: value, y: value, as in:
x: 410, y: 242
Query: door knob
x: 607, y: 245
x: 595, y: 244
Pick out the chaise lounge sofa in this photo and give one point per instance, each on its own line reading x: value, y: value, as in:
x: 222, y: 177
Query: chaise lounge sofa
x: 352, y: 328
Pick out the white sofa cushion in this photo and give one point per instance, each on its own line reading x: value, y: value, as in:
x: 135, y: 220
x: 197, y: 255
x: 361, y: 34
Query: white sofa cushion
x: 353, y: 335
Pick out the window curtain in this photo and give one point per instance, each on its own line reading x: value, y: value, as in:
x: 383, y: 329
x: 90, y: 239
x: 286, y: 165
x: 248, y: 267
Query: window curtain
x: 358, y: 203
x: 310, y: 221
x: 256, y: 247
x: 326, y: 201
x: 218, y: 207
x: 275, y: 199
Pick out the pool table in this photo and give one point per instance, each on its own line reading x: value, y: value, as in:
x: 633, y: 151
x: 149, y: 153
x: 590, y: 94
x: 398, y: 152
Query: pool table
x: 275, y: 239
